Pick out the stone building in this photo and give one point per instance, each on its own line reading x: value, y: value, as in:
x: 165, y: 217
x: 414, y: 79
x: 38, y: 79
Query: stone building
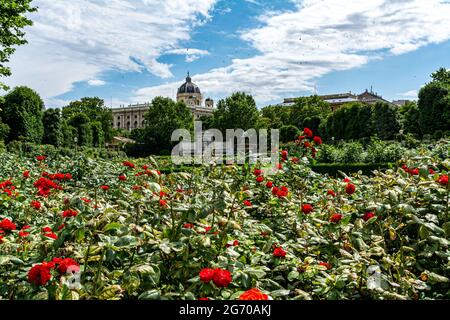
x: 191, y: 95
x: 132, y: 116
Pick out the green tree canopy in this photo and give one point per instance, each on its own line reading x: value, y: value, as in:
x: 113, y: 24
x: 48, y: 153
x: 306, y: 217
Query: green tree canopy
x: 307, y: 108
x: 162, y: 118
x: 52, y: 124
x: 238, y: 111
x: 434, y: 107
x: 12, y: 22
x: 22, y: 110
x: 409, y: 118
x: 385, y: 120
x: 94, y: 108
x: 82, y: 125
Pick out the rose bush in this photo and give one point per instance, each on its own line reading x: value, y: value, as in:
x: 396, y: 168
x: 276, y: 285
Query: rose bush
x: 218, y: 233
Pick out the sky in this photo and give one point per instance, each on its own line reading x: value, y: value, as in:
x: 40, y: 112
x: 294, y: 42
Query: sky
x: 130, y: 51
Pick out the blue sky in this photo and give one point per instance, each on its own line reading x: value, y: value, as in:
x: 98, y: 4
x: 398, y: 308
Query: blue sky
x: 128, y: 51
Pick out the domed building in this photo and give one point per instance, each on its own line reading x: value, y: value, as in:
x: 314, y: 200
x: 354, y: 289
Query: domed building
x: 190, y: 94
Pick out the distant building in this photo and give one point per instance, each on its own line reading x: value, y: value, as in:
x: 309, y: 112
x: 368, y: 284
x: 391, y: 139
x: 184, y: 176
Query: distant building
x: 191, y: 95
x: 132, y: 116
x: 400, y: 103
x: 338, y: 99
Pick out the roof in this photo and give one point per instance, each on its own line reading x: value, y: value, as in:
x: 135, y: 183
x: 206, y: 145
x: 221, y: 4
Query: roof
x: 189, y: 86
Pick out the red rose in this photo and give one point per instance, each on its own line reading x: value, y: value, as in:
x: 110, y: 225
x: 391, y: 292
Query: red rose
x: 122, y: 178
x: 284, y: 154
x: 128, y: 164
x: 23, y: 234
x: 26, y: 174
x: 247, y: 203
x: 307, y: 208
x: 163, y: 203
x: 7, y: 225
x: 279, y: 166
x: 221, y: 278
x: 206, y: 275
x: 350, y: 189
x: 257, y: 172
x: 104, y: 188
x: 301, y: 137
x: 39, y: 275
x: 235, y: 243
x: 203, y: 298
x: 69, y: 213
x: 275, y: 191
x: 41, y: 158
x: 317, y: 140
x: 51, y: 235
x: 144, y: 167
x: 368, y: 215
x: 85, y: 200
x: 279, y: 252
x: 35, y: 204
x: 414, y: 172
x: 336, y: 217
x: 253, y: 294
x: 308, y: 132
x: 188, y: 225
x: 431, y: 171
x: 331, y: 193
x: 347, y: 180
x: 61, y: 227
x: 443, y: 180
x: 269, y: 184
x: 66, y: 263
x: 259, y: 179
x: 46, y: 229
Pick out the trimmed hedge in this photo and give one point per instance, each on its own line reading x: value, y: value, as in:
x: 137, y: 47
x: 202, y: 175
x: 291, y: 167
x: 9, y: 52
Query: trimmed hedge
x: 333, y: 169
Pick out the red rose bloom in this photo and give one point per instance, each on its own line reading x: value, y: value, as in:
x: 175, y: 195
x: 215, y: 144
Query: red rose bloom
x: 122, y: 178
x: 104, y: 188
x: 275, y: 191
x: 235, y: 243
x: 26, y: 174
x: 279, y: 252
x: 307, y: 208
x: 35, y: 204
x: 69, y: 213
x: 7, y: 225
x: 51, y: 235
x: 41, y: 158
x: 46, y: 229
x: 431, y: 171
x: 368, y: 215
x: 259, y: 179
x: 247, y: 203
x: 331, y: 193
x: 129, y: 164
x: 253, y: 294
x: 308, y: 132
x: 443, y: 180
x: 66, y: 263
x: 221, y: 278
x: 350, y: 188
x: 269, y: 184
x: 257, y: 172
x: 336, y: 218
x: 284, y: 154
x: 347, y: 180
x: 188, y: 225
x: 317, y: 140
x: 163, y: 203
x: 23, y: 234
x: 39, y: 275
x: 206, y: 275
x: 414, y: 172
x: 203, y: 299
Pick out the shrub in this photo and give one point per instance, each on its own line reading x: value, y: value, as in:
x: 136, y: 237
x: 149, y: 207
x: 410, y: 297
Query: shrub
x: 289, y: 133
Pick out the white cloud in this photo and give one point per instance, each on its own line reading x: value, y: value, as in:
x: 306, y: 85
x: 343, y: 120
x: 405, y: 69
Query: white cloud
x: 409, y: 94
x: 76, y: 40
x: 96, y: 82
x: 191, y: 54
x: 321, y: 36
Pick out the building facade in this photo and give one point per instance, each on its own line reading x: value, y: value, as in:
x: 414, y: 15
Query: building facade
x: 129, y: 117
x: 132, y: 116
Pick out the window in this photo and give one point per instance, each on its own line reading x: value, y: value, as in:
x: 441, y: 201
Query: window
x: 118, y: 124
x: 128, y: 125
x: 118, y: 118
x: 128, y: 117
x: 135, y: 116
x: 135, y: 124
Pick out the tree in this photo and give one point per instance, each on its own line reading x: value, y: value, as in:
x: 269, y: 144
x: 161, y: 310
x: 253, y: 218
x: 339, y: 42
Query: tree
x: 442, y: 75
x: 409, y: 118
x: 162, y: 118
x: 22, y: 111
x: 52, y: 124
x: 278, y: 116
x: 434, y: 107
x: 98, y: 139
x: 238, y: 111
x: 385, y: 120
x: 94, y: 108
x: 12, y: 22
x: 289, y: 133
x: 308, y: 110
x: 83, y: 128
